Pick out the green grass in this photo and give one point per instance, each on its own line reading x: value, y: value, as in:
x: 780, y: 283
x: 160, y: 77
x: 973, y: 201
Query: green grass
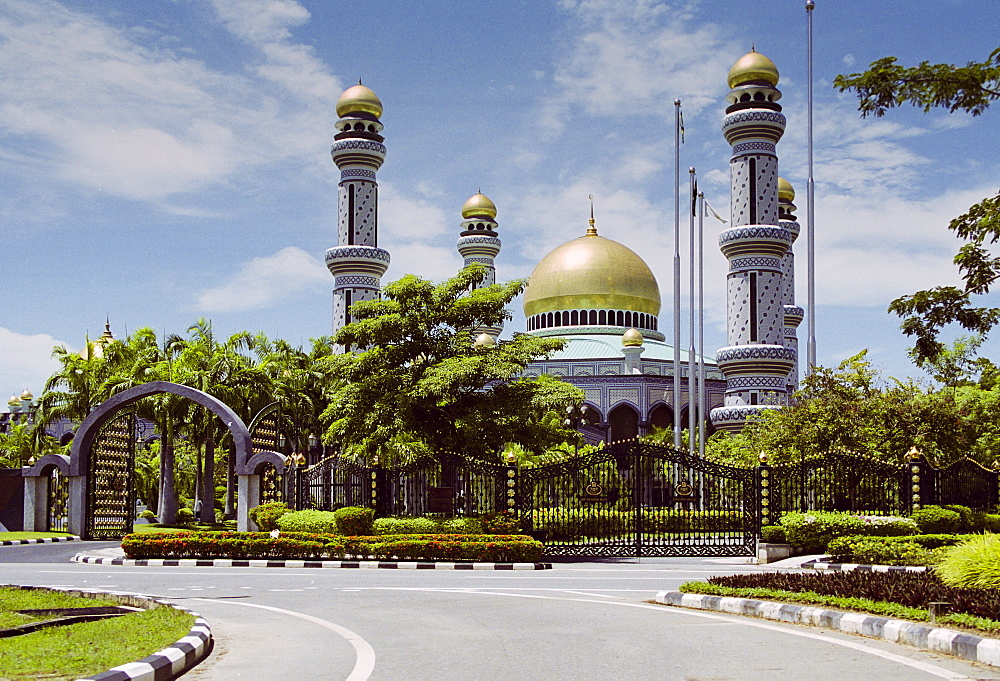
x: 11, y: 536
x: 979, y: 625
x: 79, y: 650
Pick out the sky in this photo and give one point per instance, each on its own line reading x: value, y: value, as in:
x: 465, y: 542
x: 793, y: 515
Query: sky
x: 168, y: 160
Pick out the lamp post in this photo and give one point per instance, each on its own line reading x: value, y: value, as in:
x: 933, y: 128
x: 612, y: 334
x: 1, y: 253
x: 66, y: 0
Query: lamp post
x: 576, y: 418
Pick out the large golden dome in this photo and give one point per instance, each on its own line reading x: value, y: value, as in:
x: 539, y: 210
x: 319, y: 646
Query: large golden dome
x: 753, y: 66
x: 359, y: 99
x: 592, y: 273
x: 479, y: 205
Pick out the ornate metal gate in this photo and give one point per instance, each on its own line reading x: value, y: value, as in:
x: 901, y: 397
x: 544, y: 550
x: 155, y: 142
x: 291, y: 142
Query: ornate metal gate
x: 637, y: 499
x: 57, y: 496
x: 110, y: 481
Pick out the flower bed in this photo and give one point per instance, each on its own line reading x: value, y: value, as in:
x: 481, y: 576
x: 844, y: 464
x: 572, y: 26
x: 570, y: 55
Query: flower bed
x: 302, y: 545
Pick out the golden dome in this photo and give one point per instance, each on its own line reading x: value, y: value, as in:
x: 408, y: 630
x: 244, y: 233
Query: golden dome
x: 26, y: 395
x: 592, y: 273
x: 484, y: 340
x: 13, y: 401
x: 632, y: 338
x: 785, y: 191
x: 479, y: 205
x: 753, y: 66
x: 359, y: 99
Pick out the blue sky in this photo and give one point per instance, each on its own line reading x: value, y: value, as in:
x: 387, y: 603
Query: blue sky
x: 168, y: 160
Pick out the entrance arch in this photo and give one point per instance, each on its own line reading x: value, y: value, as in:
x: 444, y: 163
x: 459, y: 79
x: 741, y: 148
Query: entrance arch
x: 624, y: 421
x: 81, y: 457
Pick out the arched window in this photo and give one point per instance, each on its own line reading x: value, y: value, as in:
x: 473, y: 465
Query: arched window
x: 602, y: 317
x: 593, y: 317
x: 661, y: 417
x: 621, y: 318
x: 624, y: 423
x: 574, y: 318
x: 629, y: 320
x: 565, y: 318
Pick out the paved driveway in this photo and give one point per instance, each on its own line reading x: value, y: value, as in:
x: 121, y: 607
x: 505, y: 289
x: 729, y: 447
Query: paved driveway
x: 586, y: 622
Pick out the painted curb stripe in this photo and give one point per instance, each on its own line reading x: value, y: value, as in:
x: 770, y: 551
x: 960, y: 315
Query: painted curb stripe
x: 364, y: 565
x: 42, y: 540
x: 848, y: 567
x: 934, y: 639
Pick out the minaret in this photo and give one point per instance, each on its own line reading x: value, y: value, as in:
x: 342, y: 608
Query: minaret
x: 756, y: 363
x: 357, y: 263
x: 793, y: 313
x: 479, y: 243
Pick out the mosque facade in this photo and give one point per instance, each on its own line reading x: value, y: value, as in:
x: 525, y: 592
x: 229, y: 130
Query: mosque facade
x: 600, y: 296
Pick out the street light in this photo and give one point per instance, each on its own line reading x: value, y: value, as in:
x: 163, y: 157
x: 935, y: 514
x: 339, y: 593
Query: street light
x: 576, y: 418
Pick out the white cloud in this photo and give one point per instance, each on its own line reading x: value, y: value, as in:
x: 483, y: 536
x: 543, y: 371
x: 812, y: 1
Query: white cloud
x: 126, y: 118
x: 405, y: 217
x: 263, y: 282
x: 25, y: 362
x: 428, y: 261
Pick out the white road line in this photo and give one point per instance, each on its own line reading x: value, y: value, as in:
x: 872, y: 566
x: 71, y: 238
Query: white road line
x: 860, y: 647
x: 365, y: 663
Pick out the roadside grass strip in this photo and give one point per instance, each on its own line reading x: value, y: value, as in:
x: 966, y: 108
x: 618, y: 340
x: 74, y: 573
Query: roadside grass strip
x: 300, y: 563
x: 927, y: 637
x: 848, y: 567
x: 22, y: 538
x: 181, y: 638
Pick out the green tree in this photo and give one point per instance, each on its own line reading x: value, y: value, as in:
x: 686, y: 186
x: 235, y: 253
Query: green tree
x: 421, y: 376
x: 971, y: 88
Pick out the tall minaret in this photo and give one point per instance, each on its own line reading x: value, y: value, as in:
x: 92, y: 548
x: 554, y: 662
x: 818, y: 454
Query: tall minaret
x: 793, y: 313
x: 357, y: 263
x: 756, y: 363
x: 479, y: 243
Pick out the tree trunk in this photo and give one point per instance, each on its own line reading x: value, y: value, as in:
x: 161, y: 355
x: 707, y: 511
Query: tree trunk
x: 208, y: 484
x: 230, y: 511
x: 168, y: 492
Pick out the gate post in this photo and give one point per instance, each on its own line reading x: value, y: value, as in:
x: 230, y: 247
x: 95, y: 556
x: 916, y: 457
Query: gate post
x: 916, y: 470
x: 763, y: 479
x: 511, y: 504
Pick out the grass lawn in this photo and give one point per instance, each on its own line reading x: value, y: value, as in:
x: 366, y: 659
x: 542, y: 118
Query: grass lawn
x: 11, y: 536
x: 85, y: 649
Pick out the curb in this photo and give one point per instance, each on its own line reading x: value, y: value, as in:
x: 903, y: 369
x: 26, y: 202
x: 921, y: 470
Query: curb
x: 167, y: 663
x: 849, y: 567
x: 263, y: 562
x: 935, y: 639
x: 43, y: 540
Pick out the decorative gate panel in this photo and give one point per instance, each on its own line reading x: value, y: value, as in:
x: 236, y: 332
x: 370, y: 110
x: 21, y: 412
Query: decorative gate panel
x: 110, y: 484
x: 57, y: 497
x: 461, y: 488
x: 636, y: 499
x: 334, y: 483
x: 967, y: 483
x: 837, y: 482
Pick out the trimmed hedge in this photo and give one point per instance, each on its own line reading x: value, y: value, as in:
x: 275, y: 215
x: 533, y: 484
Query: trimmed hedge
x: 300, y: 545
x: 266, y: 515
x: 308, y: 520
x: 383, y: 526
x: 773, y: 534
x: 354, y: 520
x: 813, y: 531
x: 936, y: 520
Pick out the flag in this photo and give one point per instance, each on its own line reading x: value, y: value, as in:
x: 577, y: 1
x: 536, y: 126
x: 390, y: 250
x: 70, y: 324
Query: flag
x: 714, y: 214
x: 680, y: 122
x: 694, y: 198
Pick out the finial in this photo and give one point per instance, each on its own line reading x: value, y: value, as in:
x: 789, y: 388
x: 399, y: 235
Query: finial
x: 591, y: 230
x: 359, y: 80
x: 753, y: 48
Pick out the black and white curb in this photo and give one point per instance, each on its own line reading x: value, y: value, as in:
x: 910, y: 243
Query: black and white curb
x: 168, y: 663
x: 263, y: 562
x: 936, y: 639
x: 42, y: 540
x: 849, y: 567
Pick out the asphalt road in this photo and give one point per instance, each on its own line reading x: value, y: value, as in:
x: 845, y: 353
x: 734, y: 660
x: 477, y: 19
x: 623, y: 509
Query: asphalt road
x: 582, y: 621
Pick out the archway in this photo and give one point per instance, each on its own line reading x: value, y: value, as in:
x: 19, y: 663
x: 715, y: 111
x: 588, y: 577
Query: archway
x: 624, y: 421
x: 661, y: 417
x: 105, y: 474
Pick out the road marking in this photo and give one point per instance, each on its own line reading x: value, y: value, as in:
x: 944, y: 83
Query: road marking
x: 365, y: 662
x: 934, y: 670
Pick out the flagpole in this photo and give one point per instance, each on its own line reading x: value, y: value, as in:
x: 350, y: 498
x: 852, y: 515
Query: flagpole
x: 810, y: 201
x: 677, y: 274
x: 701, y: 325
x: 692, y: 381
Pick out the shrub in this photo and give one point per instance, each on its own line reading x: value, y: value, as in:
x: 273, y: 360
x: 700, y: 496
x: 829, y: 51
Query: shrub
x: 404, y: 526
x: 308, y: 520
x: 967, y: 515
x: 185, y: 515
x: 937, y: 520
x: 266, y: 515
x: 354, y: 520
x: 813, y: 531
x: 501, y: 523
x: 974, y: 563
x: 985, y: 522
x: 773, y: 534
x: 147, y: 514
x: 881, y: 551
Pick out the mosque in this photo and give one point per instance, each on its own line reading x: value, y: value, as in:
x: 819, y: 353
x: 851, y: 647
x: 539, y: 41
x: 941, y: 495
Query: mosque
x: 599, y: 295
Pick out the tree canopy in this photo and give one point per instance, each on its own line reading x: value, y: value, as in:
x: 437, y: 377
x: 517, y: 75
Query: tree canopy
x: 971, y: 88
x: 421, y: 377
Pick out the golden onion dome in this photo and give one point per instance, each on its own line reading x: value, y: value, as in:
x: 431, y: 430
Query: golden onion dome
x: 13, y: 401
x: 785, y: 191
x: 26, y: 395
x: 632, y: 338
x: 359, y: 99
x: 479, y: 205
x: 753, y: 66
x: 592, y: 273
